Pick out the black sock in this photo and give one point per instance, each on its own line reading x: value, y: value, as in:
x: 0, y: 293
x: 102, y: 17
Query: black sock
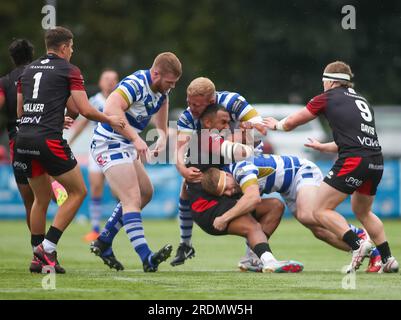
x: 37, y: 239
x: 54, y: 234
x: 384, y: 250
x: 352, y: 239
x: 261, y: 248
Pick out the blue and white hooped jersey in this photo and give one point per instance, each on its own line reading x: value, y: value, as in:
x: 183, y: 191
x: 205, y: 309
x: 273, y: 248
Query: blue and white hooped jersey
x: 142, y: 101
x: 236, y: 105
x: 273, y: 173
x: 98, y: 101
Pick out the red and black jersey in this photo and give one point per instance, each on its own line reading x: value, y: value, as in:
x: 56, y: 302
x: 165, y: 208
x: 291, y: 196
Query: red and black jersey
x: 46, y: 85
x: 351, y: 119
x: 8, y: 88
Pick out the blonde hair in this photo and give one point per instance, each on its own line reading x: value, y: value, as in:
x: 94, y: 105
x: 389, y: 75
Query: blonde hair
x: 210, y: 181
x: 167, y: 62
x: 201, y: 87
x: 340, y: 67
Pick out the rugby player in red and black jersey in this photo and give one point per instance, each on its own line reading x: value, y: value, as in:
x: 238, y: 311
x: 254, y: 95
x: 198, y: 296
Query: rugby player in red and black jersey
x: 44, y: 88
x: 359, y: 167
x: 21, y: 52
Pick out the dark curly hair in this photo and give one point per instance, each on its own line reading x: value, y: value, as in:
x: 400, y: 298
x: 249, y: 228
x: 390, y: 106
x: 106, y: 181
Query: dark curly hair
x: 21, y: 51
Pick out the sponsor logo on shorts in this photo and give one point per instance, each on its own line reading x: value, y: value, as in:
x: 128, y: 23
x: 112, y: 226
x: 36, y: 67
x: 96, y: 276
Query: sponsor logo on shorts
x: 330, y: 175
x: 376, y: 166
x: 20, y: 165
x: 101, y: 160
x: 26, y: 151
x: 353, y: 181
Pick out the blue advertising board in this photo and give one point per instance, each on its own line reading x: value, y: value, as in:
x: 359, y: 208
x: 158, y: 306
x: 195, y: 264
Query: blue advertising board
x: 167, y: 182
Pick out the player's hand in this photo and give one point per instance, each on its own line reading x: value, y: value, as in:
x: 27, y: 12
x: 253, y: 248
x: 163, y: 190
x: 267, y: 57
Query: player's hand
x: 142, y: 149
x: 117, y: 122
x: 246, y: 125
x: 270, y: 123
x: 314, y: 144
x: 68, y: 121
x: 192, y: 175
x: 220, y: 223
x: 160, y: 146
x: 262, y: 128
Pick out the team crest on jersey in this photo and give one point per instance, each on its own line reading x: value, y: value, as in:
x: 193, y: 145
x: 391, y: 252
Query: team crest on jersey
x: 45, y: 61
x: 141, y: 118
x: 148, y: 102
x: 265, y: 172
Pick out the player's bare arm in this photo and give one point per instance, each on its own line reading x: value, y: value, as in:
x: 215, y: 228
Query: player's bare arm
x: 160, y: 121
x: 329, y: 147
x: 20, y: 102
x: 116, y: 105
x: 82, y: 103
x: 191, y: 174
x: 291, y: 122
x: 2, y: 100
x: 246, y: 204
x: 72, y: 110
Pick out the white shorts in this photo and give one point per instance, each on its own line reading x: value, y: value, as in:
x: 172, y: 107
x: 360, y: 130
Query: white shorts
x: 308, y: 175
x: 92, y: 165
x: 108, y: 152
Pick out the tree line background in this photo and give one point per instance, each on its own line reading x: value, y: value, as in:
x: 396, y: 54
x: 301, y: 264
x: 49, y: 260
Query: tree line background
x: 269, y: 51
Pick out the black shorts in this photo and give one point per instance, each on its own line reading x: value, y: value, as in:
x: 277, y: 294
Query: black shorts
x: 36, y: 156
x: 361, y: 174
x: 205, y: 210
x: 19, y: 175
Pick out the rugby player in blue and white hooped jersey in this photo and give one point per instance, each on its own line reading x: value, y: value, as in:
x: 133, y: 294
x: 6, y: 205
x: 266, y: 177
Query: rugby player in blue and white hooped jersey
x: 138, y: 97
x: 107, y: 83
x: 201, y: 92
x: 296, y: 179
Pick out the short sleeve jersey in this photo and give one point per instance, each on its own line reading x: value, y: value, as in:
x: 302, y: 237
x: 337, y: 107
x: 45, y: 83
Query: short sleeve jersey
x: 136, y: 90
x: 351, y: 119
x: 46, y: 85
x: 236, y: 105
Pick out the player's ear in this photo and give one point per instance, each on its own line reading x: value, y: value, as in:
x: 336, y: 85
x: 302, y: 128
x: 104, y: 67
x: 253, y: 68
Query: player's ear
x: 206, y: 122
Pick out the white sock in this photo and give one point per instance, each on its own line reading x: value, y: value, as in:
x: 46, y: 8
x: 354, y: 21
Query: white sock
x: 267, y: 258
x: 49, y: 246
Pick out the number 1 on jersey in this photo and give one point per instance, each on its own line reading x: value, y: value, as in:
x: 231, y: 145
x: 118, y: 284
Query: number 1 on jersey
x: 37, y: 78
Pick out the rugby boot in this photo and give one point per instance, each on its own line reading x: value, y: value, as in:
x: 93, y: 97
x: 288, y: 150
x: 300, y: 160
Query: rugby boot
x: 105, y: 252
x: 151, y: 263
x: 184, y: 252
x: 250, y: 262
x: 289, y: 266
x: 391, y: 266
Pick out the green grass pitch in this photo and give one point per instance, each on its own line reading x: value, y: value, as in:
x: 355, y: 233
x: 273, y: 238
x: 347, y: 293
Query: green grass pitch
x: 212, y: 274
